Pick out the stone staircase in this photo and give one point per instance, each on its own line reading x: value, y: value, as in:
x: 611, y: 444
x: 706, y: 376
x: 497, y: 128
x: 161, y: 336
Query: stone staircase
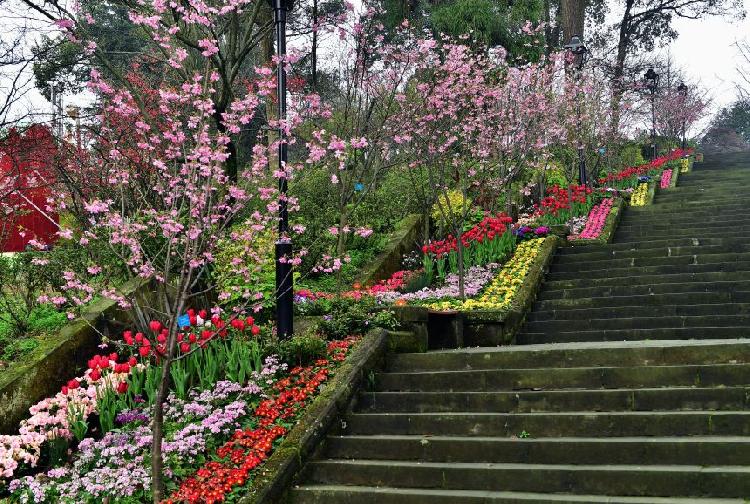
x: 631, y: 383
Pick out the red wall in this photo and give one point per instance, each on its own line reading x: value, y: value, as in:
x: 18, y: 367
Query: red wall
x: 26, y: 168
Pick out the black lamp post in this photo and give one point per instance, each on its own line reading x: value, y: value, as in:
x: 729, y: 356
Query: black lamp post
x: 579, y: 52
x: 284, y: 280
x: 683, y: 90
x: 652, y: 83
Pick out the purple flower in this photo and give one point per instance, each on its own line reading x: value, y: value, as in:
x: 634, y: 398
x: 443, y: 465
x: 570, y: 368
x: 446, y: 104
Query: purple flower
x: 130, y: 416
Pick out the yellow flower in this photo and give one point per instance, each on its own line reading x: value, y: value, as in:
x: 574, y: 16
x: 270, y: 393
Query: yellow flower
x: 451, y: 204
x: 640, y: 195
x: 684, y: 165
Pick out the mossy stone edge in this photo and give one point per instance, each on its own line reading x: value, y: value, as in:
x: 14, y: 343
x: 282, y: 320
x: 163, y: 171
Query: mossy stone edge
x: 57, y: 359
x: 401, y: 241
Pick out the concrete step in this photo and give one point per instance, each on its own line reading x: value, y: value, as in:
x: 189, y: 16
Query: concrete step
x: 604, y: 254
x: 659, y: 244
x: 348, y: 494
x: 576, y: 285
x: 550, y: 424
x: 718, y: 311
x: 654, y: 399
x: 691, y: 260
x: 559, y: 378
x: 583, y: 354
x: 679, y: 232
x: 652, y: 480
x: 550, y: 292
x: 695, y: 450
x: 677, y: 333
x: 666, y: 299
x: 612, y: 322
x: 654, y: 242
x: 646, y: 271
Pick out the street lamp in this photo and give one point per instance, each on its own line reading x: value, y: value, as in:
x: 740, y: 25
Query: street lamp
x: 652, y: 84
x: 683, y: 90
x: 578, y: 50
x: 284, y: 280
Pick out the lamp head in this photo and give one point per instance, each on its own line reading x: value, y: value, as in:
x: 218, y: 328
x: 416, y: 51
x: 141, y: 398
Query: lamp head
x: 652, y: 80
x: 578, y: 49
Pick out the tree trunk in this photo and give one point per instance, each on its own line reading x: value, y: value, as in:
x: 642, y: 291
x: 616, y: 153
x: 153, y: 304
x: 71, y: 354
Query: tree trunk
x: 572, y: 18
x: 157, y: 427
x: 618, y: 87
x: 461, y: 271
x: 548, y: 33
x: 314, y: 55
x: 267, y: 52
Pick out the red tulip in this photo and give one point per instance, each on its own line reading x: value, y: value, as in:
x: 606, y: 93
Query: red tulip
x: 132, y: 362
x: 95, y: 375
x: 122, y: 387
x: 155, y: 325
x: 255, y: 330
x: 144, y: 351
x: 185, y: 347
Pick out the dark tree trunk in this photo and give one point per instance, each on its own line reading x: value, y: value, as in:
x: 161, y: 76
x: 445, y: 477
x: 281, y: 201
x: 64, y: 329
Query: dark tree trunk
x: 618, y: 74
x: 314, y: 55
x: 572, y: 18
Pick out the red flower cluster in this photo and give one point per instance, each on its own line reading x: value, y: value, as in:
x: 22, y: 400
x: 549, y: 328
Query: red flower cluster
x: 558, y: 199
x: 396, y: 282
x: 249, y: 448
x: 490, y: 228
x: 637, y: 171
x: 187, y: 339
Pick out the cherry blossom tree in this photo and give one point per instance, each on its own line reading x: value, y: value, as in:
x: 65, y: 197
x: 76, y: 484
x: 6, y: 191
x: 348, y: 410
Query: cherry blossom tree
x: 438, y: 129
x: 157, y: 190
x: 678, y: 110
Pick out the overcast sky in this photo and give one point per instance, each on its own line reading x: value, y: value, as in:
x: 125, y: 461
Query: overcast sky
x: 704, y: 48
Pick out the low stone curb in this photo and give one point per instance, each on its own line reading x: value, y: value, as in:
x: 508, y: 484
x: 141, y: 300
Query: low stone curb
x: 610, y: 226
x: 277, y: 473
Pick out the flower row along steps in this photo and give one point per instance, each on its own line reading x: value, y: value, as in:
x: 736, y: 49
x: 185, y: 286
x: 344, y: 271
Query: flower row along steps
x: 630, y: 382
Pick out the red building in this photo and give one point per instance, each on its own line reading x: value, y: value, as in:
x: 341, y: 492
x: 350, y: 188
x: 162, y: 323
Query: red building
x: 26, y: 179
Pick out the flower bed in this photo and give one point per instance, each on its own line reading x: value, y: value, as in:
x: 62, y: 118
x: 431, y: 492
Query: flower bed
x: 628, y: 177
x: 217, y: 432
x: 500, y: 292
x: 595, y: 222
x: 666, y: 179
x: 640, y: 196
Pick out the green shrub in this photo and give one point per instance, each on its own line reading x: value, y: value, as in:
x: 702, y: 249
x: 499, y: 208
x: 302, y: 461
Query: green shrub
x: 386, y: 319
x: 302, y: 349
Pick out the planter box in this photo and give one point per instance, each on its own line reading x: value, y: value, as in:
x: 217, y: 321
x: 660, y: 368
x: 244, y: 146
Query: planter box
x: 650, y: 193
x: 610, y: 226
x: 675, y: 178
x: 485, y: 327
x: 687, y: 164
